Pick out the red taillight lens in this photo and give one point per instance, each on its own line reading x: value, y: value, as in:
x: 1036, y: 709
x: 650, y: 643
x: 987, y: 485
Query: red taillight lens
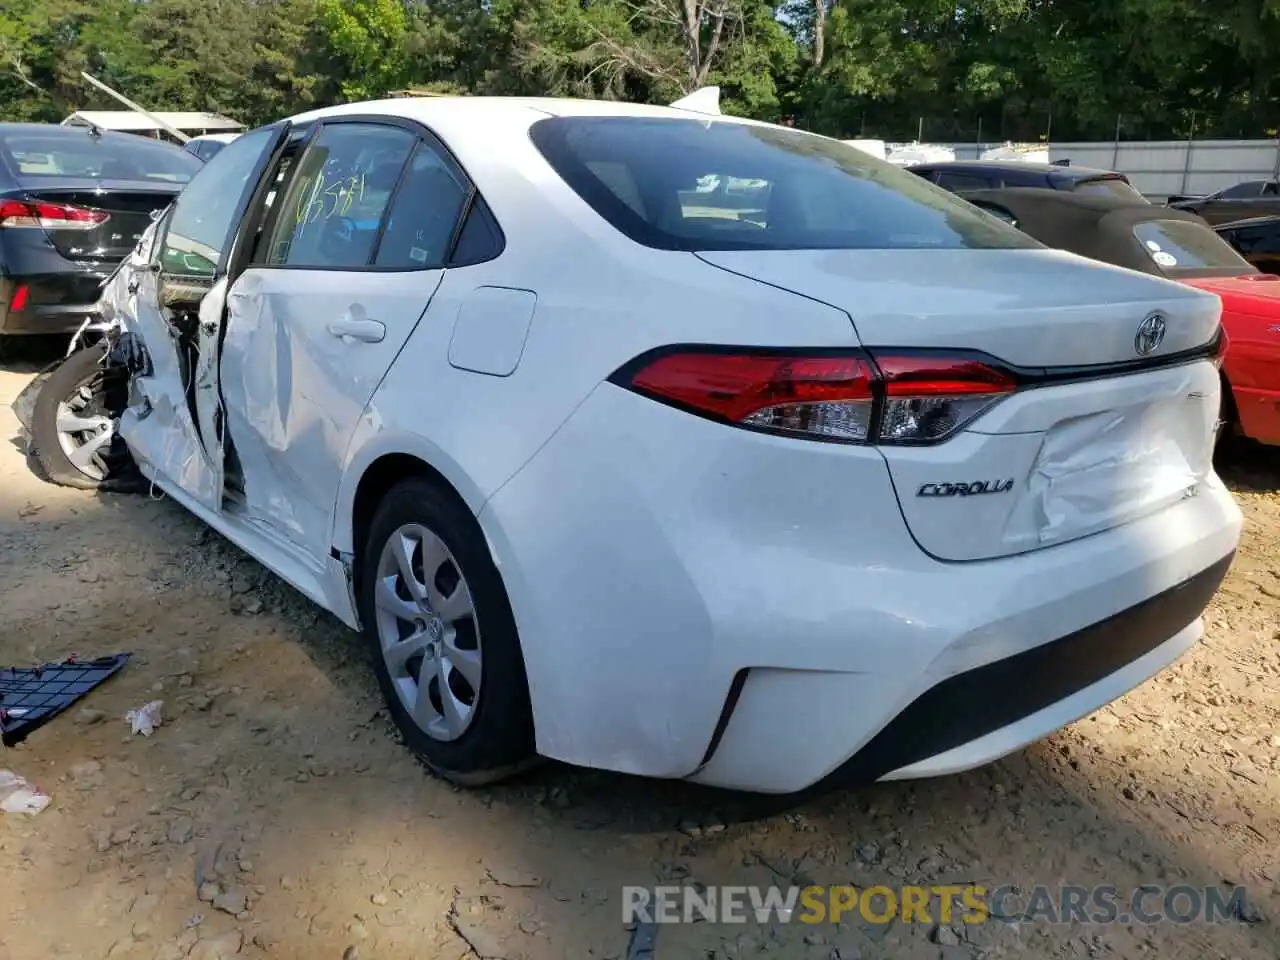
x: 825, y: 396
x: 49, y: 216
x: 928, y: 398
x: 19, y: 299
x: 851, y: 396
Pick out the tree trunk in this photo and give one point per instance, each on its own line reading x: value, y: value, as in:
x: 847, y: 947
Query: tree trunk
x: 819, y: 31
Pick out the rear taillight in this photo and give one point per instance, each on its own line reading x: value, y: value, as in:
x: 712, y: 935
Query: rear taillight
x: 19, y: 300
x: 930, y: 398
x: 866, y: 397
x: 17, y: 214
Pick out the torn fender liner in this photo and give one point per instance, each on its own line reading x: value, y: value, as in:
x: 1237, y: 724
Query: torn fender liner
x: 30, y: 697
x: 24, y: 404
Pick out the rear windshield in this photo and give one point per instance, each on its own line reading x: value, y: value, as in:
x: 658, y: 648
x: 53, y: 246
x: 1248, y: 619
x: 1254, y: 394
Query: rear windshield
x: 109, y: 157
x: 1182, y: 245
x: 1108, y: 187
x: 679, y: 184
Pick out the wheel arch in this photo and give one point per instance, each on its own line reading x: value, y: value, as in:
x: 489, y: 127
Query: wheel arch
x: 1230, y: 415
x: 378, y: 466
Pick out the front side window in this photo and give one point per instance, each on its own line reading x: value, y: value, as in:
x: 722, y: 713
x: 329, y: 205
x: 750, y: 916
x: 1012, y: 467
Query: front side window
x: 334, y: 205
x: 200, y: 225
x: 1177, y: 245
x: 679, y: 184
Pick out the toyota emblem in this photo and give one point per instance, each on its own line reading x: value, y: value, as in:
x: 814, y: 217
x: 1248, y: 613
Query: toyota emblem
x: 1150, y: 335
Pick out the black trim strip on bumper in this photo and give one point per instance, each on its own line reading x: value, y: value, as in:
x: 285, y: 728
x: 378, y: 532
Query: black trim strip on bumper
x: 977, y: 702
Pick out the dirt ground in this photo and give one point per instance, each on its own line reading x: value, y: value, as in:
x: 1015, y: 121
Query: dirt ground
x: 277, y: 786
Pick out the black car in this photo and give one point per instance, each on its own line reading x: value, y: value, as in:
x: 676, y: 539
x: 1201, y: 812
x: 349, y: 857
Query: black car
x: 1256, y: 239
x: 961, y: 176
x: 73, y: 203
x: 1128, y: 233
x: 1252, y: 198
x: 204, y: 147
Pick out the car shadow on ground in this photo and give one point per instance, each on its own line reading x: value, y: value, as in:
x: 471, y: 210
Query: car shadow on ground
x: 1247, y: 465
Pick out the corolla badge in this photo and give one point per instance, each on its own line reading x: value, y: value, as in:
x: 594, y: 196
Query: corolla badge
x: 1150, y: 335
x: 971, y: 489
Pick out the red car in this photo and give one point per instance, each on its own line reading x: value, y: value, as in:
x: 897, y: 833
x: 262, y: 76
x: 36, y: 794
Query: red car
x: 1182, y: 247
x: 1251, y: 317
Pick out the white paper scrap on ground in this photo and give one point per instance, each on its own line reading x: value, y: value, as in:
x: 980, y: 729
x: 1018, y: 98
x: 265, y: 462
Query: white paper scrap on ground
x: 146, y: 718
x: 18, y: 796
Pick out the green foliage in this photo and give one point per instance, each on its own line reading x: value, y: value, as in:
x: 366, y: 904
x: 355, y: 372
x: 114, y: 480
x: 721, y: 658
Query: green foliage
x: 1005, y: 69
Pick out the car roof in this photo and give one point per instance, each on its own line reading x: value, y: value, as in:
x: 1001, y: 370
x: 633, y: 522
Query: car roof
x: 515, y: 109
x: 1017, y: 166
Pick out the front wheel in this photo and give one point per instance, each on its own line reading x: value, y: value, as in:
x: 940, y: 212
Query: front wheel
x: 71, y: 429
x: 443, y: 638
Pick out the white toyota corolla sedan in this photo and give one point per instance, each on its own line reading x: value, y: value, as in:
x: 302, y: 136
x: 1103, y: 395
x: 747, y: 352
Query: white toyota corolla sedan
x: 677, y: 444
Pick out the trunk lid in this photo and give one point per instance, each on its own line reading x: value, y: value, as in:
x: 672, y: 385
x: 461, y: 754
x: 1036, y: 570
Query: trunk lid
x: 129, y: 206
x: 1033, y: 308
x: 1080, y: 451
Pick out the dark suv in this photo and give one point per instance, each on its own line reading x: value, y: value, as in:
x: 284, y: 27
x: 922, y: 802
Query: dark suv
x: 961, y: 176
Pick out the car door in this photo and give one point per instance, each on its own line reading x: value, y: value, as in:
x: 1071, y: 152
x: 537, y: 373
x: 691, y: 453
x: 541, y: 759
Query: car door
x: 1258, y: 242
x: 176, y: 310
x: 347, y: 264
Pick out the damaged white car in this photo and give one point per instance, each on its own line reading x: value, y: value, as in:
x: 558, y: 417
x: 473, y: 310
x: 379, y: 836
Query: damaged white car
x: 842, y: 479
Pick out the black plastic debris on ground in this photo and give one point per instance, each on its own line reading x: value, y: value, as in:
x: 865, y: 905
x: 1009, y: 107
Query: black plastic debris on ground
x: 32, y: 696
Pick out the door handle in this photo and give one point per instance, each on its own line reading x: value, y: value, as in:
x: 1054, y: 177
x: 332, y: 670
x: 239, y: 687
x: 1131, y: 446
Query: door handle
x: 369, y: 331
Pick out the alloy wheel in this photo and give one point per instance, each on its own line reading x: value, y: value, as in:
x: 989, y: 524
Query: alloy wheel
x: 428, y: 632
x: 84, y: 430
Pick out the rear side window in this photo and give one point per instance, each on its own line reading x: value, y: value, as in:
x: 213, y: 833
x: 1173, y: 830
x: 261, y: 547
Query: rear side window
x: 481, y: 237
x: 1107, y: 187
x: 1242, y: 191
x: 957, y: 182
x: 111, y: 156
x: 679, y: 184
x: 423, y: 215
x: 1182, y: 245
x: 334, y: 205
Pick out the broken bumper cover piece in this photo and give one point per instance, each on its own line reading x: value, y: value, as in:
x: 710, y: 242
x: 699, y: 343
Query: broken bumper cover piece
x: 32, y: 696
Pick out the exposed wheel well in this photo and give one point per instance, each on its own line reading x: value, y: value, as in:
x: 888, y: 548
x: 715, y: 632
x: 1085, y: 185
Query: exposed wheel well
x: 1228, y: 403
x: 383, y: 474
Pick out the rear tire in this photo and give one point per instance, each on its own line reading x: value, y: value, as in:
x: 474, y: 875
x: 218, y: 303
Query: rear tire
x: 442, y: 637
x: 72, y: 397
